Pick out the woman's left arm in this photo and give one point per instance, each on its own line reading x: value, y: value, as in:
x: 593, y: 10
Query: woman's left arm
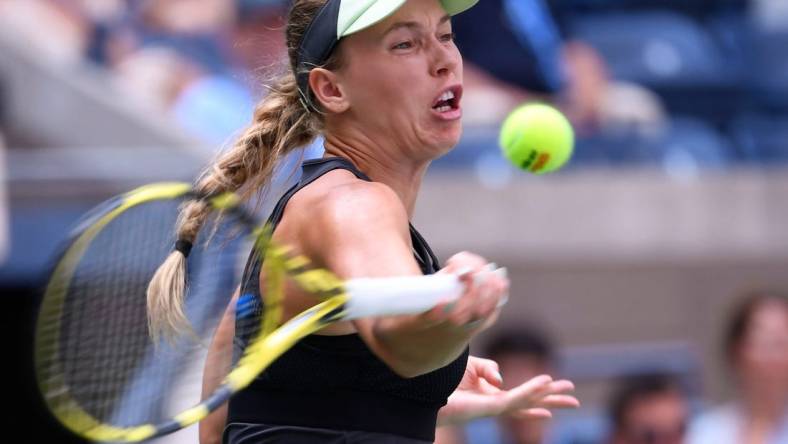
x: 218, y: 363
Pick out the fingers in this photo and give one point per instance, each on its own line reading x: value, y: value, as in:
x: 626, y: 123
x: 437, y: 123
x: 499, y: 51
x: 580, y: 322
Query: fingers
x: 487, y: 388
x: 483, y: 295
x: 561, y: 386
x: 530, y: 390
x: 464, y: 259
x: 486, y: 369
x: 559, y: 402
x: 533, y: 413
x: 549, y: 402
x: 534, y: 399
x: 472, y: 310
x: 476, y: 302
x: 541, y: 392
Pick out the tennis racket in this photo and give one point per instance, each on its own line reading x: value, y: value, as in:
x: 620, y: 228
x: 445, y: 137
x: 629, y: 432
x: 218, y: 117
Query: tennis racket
x: 98, y: 370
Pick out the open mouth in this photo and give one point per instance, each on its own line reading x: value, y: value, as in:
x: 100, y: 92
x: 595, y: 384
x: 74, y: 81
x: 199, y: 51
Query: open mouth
x: 449, y: 100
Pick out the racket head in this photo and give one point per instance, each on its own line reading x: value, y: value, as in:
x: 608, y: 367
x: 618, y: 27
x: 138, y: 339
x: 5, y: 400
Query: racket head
x: 96, y: 366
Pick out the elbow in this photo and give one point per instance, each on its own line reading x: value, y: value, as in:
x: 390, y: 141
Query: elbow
x: 408, y: 354
x: 409, y: 364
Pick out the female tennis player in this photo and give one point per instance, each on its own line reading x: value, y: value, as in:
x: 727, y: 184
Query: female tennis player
x: 382, y: 81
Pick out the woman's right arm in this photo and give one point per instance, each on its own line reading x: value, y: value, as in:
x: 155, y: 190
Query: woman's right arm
x: 363, y: 232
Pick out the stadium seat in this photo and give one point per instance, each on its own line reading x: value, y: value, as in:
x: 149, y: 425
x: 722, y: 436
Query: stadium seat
x: 761, y: 139
x: 692, y: 145
x: 654, y: 48
x: 770, y: 69
x: 686, y: 146
x: 763, y: 52
x: 671, y: 54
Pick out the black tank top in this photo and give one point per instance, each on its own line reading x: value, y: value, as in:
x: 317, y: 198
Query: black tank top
x: 336, y: 382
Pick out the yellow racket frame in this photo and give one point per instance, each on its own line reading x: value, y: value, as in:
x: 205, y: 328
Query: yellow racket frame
x: 269, y: 343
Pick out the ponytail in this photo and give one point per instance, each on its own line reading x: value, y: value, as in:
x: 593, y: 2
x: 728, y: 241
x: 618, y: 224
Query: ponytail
x: 281, y: 124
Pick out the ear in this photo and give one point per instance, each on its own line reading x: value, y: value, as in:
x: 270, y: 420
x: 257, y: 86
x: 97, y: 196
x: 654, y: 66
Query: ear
x: 327, y: 90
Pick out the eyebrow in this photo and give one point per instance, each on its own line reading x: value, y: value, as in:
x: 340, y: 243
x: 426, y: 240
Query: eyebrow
x: 413, y: 25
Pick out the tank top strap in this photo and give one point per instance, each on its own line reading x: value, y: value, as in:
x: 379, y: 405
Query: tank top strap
x: 313, y: 169
x: 424, y: 255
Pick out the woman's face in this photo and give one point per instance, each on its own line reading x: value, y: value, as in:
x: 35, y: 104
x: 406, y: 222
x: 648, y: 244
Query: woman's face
x: 403, y: 80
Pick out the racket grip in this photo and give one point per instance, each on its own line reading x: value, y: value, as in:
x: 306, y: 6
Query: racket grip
x: 402, y: 295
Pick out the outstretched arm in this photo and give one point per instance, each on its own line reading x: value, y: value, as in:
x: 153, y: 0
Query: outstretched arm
x: 363, y: 232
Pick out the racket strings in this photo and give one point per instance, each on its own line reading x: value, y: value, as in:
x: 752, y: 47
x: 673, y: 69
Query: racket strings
x: 95, y: 359
x: 104, y: 329
x: 100, y: 353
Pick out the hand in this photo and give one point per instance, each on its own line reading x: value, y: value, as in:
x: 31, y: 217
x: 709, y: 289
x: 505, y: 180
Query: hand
x: 479, y: 304
x: 587, y: 86
x: 480, y: 394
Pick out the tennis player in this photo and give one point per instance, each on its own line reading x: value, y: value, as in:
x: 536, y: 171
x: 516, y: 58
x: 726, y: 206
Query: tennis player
x: 382, y: 81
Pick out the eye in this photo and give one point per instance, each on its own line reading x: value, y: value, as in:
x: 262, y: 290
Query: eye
x: 403, y: 45
x: 448, y: 37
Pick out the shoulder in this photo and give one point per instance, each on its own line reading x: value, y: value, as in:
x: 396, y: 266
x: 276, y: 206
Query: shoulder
x: 340, y: 199
x: 342, y: 210
x: 362, y: 203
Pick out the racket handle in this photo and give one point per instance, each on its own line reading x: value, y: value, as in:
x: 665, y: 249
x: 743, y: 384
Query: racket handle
x: 403, y: 295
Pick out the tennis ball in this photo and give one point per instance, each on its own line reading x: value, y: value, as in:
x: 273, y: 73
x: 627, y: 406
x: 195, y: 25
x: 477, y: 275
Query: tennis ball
x: 537, y: 138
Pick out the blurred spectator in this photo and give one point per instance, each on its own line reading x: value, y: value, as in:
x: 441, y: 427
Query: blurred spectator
x: 522, y: 353
x: 171, y: 56
x: 648, y: 409
x: 67, y: 31
x: 155, y: 76
x: 756, y: 351
x: 198, y: 29
x: 514, y: 52
x: 178, y: 56
x: 206, y: 62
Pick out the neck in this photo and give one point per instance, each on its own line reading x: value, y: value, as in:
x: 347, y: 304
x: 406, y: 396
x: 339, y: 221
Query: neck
x: 389, y: 165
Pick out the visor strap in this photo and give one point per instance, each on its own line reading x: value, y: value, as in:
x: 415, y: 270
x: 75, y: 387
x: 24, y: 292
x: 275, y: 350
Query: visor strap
x: 316, y: 47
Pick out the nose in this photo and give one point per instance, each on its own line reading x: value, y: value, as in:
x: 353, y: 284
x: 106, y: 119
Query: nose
x: 445, y: 58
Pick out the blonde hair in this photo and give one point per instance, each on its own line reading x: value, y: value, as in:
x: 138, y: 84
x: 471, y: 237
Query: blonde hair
x: 281, y: 123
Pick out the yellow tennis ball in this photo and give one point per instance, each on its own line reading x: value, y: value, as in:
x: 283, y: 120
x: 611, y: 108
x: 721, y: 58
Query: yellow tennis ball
x: 537, y: 138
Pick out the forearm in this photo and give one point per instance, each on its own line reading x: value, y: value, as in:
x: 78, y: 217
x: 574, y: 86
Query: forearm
x: 217, y: 365
x: 414, y: 345
x: 412, y: 348
x: 357, y: 243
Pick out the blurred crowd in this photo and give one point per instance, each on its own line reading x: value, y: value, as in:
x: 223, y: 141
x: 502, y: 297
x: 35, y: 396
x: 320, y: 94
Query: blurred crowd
x: 652, y: 405
x: 682, y: 84
x: 204, y: 62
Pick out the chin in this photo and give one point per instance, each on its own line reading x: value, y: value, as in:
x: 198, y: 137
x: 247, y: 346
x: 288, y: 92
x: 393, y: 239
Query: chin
x: 448, y: 139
